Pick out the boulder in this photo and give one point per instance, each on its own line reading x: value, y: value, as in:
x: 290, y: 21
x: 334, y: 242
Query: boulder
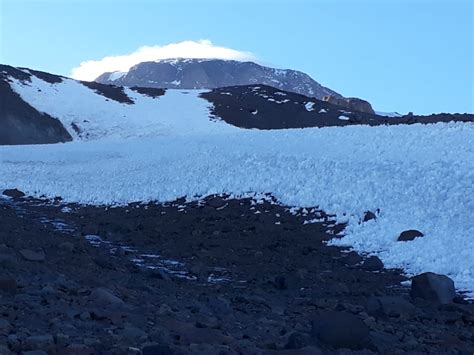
x: 350, y: 103
x: 340, y: 330
x: 433, y: 288
x: 14, y: 193
x: 360, y: 105
x: 352, y: 258
x: 409, y: 235
x: 33, y: 255
x: 104, y: 296
x: 372, y: 264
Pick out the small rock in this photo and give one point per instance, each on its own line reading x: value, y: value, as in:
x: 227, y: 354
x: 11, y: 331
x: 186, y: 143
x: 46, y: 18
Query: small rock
x: 14, y: 193
x: 352, y: 258
x: 372, y: 264
x: 159, y: 274
x: 281, y: 283
x: 33, y: 255
x: 409, y: 235
x: 66, y: 246
x: 34, y: 352
x: 8, y: 284
x: 4, y: 350
x: 369, y: 216
x: 340, y: 330
x: 104, y: 296
x: 433, y: 287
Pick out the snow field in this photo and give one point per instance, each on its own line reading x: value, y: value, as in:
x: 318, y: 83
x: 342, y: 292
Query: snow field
x: 419, y: 176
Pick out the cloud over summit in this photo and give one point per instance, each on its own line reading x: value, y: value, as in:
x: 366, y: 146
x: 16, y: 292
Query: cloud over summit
x: 91, y: 69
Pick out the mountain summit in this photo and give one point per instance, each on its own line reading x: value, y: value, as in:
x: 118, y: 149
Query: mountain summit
x: 181, y: 73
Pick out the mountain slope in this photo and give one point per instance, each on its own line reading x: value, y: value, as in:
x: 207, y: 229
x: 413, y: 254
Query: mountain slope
x: 38, y: 107
x: 213, y: 73
x: 21, y: 123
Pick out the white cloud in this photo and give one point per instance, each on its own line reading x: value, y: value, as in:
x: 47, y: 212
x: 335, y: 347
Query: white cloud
x: 91, y: 69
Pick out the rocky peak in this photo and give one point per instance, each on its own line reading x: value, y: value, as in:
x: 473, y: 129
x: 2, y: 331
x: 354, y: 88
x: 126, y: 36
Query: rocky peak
x: 182, y: 73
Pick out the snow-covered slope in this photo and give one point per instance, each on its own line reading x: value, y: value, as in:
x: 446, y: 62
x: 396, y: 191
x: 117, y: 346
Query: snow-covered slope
x: 88, y: 115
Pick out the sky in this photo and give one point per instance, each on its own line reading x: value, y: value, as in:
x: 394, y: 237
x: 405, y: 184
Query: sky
x: 400, y: 55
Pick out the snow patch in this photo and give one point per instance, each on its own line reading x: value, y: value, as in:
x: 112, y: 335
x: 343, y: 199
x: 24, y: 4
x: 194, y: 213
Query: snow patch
x: 309, y: 106
x: 117, y: 75
x: 388, y: 114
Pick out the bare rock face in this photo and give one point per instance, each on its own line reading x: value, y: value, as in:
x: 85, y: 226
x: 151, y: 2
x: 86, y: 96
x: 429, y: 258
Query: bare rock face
x: 351, y: 103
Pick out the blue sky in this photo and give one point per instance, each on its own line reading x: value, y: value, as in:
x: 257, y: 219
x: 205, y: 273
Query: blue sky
x: 401, y: 55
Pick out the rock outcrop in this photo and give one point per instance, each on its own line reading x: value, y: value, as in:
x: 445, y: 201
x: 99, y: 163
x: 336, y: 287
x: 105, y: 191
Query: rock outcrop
x: 351, y: 103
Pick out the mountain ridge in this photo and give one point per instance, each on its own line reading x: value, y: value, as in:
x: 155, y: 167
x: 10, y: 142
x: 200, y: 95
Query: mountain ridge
x: 38, y: 107
x: 200, y: 73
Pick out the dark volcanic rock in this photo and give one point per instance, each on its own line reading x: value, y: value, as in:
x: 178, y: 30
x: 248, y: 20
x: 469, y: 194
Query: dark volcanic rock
x: 104, y: 296
x: 33, y: 255
x: 433, y: 287
x: 265, y: 107
x: 48, y: 77
x: 152, y: 92
x: 112, y: 92
x: 352, y: 258
x: 237, y: 310
x: 368, y: 216
x: 14, y: 193
x: 341, y: 330
x: 350, y: 103
x: 372, y: 264
x: 409, y: 235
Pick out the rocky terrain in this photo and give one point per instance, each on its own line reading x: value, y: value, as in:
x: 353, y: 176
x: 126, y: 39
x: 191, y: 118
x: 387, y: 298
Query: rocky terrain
x: 216, y: 276
x: 264, y: 107
x: 182, y: 73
